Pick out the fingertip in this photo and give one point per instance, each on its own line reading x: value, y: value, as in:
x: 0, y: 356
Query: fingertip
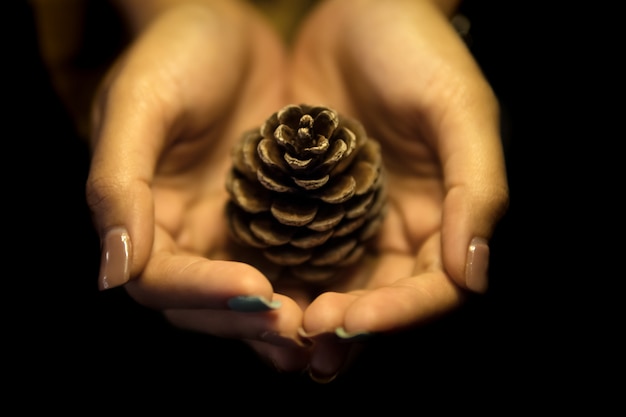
x: 465, y: 241
x: 252, y: 303
x: 477, y: 265
x: 116, y: 254
x: 250, y: 281
x: 356, y: 337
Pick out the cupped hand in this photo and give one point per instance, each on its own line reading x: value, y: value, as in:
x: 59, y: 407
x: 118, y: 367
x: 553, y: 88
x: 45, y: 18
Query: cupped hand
x: 401, y: 69
x: 165, y: 120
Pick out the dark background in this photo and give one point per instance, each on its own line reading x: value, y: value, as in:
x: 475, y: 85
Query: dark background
x: 67, y: 337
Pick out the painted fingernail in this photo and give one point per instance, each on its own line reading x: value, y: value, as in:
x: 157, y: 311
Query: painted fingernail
x: 477, y: 265
x: 312, y: 338
x: 114, y: 265
x: 252, y: 304
x: 354, y: 336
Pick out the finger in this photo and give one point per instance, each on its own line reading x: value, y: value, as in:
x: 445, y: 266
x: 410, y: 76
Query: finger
x: 272, y: 335
x: 277, y: 327
x: 403, y: 304
x: 181, y: 281
x: 402, y: 291
x: 476, y: 186
x: 127, y: 140
x: 339, y: 324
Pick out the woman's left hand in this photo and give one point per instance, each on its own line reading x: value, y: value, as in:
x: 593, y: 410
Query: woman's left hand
x: 401, y: 69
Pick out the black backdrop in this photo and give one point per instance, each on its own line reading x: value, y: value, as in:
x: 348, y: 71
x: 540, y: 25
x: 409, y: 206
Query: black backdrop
x: 68, y: 338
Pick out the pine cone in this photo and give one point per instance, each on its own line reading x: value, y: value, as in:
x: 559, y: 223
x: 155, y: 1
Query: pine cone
x: 308, y: 190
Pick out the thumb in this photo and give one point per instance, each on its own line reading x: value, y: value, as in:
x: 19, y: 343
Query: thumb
x: 118, y: 189
x: 469, y: 218
x: 477, y: 196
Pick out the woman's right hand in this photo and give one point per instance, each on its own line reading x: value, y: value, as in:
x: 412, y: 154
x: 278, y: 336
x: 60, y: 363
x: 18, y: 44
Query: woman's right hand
x: 164, y: 122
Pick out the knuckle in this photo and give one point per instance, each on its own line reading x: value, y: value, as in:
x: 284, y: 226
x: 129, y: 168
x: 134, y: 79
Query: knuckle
x: 101, y: 192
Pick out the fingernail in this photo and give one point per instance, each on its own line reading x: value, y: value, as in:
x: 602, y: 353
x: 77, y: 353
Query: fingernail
x: 321, y: 379
x: 477, y: 265
x: 312, y: 338
x: 116, y: 252
x: 252, y: 304
x: 354, y: 336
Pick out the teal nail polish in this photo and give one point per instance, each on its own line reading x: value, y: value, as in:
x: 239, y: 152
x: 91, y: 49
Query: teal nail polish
x: 252, y: 304
x: 353, y: 337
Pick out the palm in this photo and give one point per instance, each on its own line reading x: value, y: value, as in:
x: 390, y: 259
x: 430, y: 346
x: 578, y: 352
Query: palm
x: 174, y: 105
x: 214, y: 104
x: 189, y: 184
x: 394, y: 80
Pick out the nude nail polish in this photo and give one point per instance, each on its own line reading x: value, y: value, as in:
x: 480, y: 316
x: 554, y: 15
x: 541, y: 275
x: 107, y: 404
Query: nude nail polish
x: 114, y: 265
x: 477, y: 265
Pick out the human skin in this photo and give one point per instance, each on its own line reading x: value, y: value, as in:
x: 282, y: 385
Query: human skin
x: 197, y: 75
x: 165, y: 120
x: 401, y: 69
